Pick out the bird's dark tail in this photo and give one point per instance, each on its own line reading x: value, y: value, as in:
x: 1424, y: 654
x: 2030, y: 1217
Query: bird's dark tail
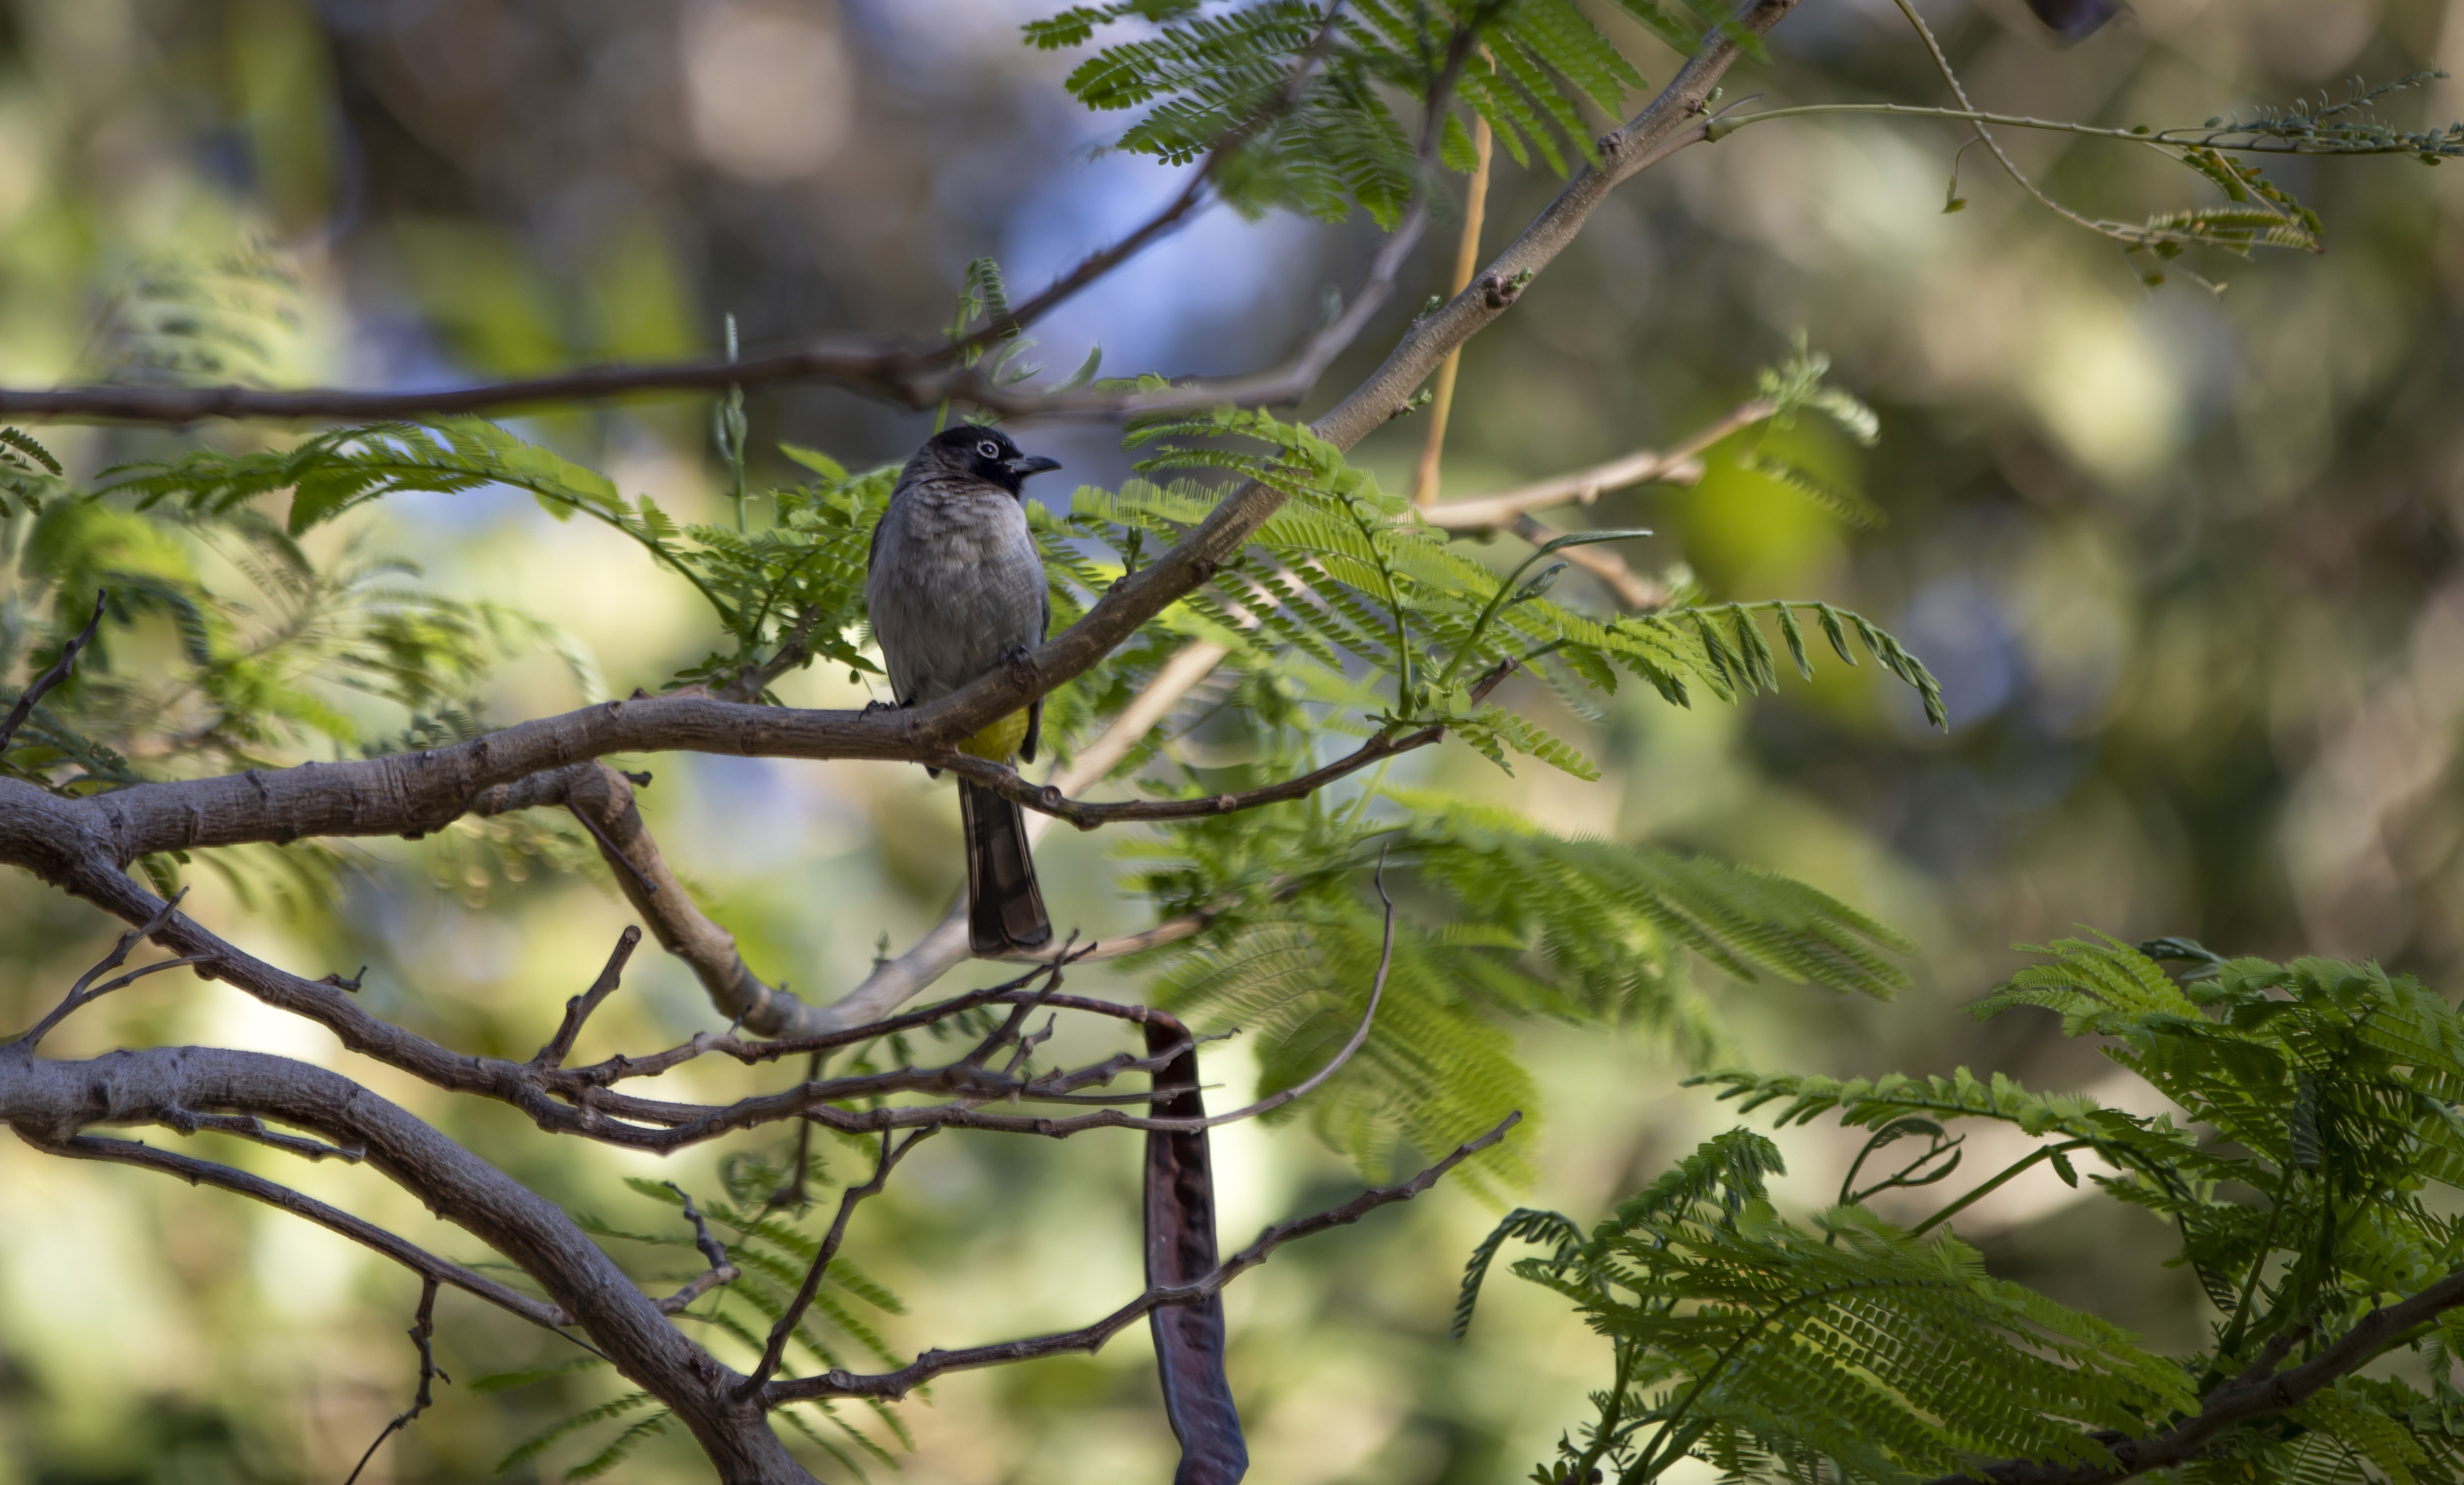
x: 1004, y: 907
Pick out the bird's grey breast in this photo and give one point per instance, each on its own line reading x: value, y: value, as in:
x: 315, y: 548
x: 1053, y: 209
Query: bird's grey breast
x: 956, y: 586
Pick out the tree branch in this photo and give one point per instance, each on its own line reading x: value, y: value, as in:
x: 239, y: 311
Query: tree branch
x: 1483, y: 515
x: 2244, y: 1398
x: 1095, y: 264
x: 1637, y: 594
x: 893, y: 982
x: 775, y: 1349
x: 59, y: 672
x: 578, y: 1009
x: 924, y: 1368
x: 367, y: 1234
x: 49, y: 1101
x: 1086, y: 816
x: 1681, y: 464
x: 423, y: 1334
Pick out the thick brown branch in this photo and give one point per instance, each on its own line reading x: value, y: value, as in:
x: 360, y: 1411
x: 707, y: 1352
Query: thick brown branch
x: 1091, y: 1338
x: 602, y: 797
x: 51, y: 1101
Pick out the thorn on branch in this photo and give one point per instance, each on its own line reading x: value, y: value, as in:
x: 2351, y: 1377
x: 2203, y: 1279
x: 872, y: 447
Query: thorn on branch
x: 352, y: 984
x: 423, y: 1334
x: 59, y: 672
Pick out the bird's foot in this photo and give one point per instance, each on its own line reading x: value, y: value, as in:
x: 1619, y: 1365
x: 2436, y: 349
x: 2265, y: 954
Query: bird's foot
x: 1022, y: 665
x: 876, y: 705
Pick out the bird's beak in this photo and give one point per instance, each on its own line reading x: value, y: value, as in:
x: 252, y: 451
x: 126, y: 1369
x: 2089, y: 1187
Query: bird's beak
x: 1026, y: 465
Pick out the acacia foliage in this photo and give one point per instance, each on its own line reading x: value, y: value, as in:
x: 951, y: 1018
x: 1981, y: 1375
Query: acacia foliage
x: 1345, y: 616
x: 1313, y: 104
x: 2313, y: 1178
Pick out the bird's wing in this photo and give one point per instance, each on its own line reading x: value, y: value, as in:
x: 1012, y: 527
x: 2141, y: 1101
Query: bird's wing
x: 1035, y: 707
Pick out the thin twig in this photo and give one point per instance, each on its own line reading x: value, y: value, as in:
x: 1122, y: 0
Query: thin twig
x: 578, y: 1009
x: 77, y: 1000
x: 608, y: 848
x: 2221, y: 139
x: 1442, y: 397
x: 751, y: 681
x: 119, y: 955
x: 720, y: 1271
x: 59, y: 672
x: 247, y: 1127
x: 1678, y: 463
x: 1360, y: 1032
x: 1087, y: 816
x: 893, y: 1151
x: 932, y: 1364
x: 423, y: 1334
x: 792, y: 1195
x: 1096, y: 264
x: 359, y: 1230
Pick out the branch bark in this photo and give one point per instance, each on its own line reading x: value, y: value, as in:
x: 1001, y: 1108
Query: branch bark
x: 924, y: 1368
x: 51, y: 1101
x: 2239, y: 1401
x: 415, y: 792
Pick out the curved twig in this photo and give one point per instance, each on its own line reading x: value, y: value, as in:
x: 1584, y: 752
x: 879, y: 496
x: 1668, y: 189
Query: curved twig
x: 1091, y: 1338
x: 59, y: 672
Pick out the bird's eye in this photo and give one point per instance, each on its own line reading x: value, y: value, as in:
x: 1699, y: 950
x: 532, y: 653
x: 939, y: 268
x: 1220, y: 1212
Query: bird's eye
x: 989, y: 449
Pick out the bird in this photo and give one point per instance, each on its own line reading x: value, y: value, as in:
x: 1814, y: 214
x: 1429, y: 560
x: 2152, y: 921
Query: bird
x: 955, y: 590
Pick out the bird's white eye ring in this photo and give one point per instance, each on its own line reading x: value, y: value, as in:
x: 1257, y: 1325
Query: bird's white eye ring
x: 989, y: 449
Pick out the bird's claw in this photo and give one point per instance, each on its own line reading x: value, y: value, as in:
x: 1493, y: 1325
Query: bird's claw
x: 876, y: 705
x: 1022, y: 665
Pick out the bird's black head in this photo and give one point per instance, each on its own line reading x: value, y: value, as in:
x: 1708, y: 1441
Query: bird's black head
x: 988, y: 455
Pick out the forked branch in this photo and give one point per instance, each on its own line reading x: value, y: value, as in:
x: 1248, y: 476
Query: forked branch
x: 892, y: 1384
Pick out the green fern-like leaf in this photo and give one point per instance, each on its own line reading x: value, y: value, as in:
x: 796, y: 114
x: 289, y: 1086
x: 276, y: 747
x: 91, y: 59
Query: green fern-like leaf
x: 640, y: 1431
x: 539, y: 1443
x: 1303, y: 97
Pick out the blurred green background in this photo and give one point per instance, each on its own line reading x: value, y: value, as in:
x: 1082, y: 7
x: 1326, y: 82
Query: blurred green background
x: 2185, y: 563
